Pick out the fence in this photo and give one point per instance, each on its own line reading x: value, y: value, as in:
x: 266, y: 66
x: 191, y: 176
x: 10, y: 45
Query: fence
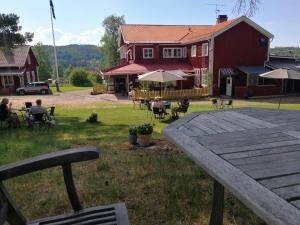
x: 175, y: 94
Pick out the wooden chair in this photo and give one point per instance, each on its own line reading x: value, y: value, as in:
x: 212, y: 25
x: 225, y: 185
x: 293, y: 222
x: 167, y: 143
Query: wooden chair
x: 183, y: 109
x: 158, y: 113
x: 114, y: 214
x: 51, y: 112
x: 214, y: 103
x: 229, y: 104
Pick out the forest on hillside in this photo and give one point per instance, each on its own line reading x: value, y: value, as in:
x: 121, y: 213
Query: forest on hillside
x: 86, y: 56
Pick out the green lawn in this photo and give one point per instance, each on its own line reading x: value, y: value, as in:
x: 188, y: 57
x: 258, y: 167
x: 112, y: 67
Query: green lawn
x: 67, y: 88
x: 158, y: 187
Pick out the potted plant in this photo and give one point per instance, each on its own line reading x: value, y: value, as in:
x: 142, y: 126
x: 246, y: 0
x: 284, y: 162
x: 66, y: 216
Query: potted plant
x: 144, y: 134
x: 133, y: 135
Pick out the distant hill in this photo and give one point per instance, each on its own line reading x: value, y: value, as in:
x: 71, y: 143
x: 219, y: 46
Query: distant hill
x: 87, y: 56
x: 286, y: 51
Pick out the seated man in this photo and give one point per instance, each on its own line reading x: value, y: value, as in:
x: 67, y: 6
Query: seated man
x: 37, y: 109
x: 6, y: 113
x: 182, y: 107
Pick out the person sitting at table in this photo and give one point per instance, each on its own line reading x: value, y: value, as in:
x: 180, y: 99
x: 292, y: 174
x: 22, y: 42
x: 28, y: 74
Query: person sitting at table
x: 158, y: 104
x: 36, y: 109
x: 6, y: 114
x: 183, y: 105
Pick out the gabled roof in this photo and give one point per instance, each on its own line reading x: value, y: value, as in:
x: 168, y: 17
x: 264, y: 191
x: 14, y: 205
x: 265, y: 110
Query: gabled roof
x: 180, y: 34
x: 17, y: 58
x: 140, y: 68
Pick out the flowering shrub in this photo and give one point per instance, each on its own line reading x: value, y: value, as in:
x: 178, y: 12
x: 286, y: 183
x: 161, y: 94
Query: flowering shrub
x: 146, y: 128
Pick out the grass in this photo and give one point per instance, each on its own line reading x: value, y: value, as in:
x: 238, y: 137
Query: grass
x: 158, y: 187
x: 67, y: 88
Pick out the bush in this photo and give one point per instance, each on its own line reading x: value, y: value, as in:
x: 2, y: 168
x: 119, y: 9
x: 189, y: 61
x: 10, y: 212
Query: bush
x: 146, y: 128
x: 93, y: 118
x: 80, y: 78
x: 95, y: 78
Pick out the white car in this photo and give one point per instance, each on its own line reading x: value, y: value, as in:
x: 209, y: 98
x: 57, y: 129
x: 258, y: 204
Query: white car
x: 34, y: 87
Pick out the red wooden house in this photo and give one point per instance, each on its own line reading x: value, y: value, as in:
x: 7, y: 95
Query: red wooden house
x: 227, y: 56
x: 17, y: 68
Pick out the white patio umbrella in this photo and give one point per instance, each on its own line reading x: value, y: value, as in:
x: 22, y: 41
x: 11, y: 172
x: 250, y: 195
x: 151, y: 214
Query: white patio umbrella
x: 161, y: 76
x: 282, y: 74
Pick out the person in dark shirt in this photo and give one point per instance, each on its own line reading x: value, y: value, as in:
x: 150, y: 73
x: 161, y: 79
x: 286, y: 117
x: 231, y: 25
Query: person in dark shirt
x: 184, y: 104
x: 6, y: 113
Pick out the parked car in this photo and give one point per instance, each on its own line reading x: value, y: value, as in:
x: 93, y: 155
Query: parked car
x: 34, y: 87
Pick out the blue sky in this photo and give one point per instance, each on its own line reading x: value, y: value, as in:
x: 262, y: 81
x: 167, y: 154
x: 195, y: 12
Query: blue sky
x: 79, y: 21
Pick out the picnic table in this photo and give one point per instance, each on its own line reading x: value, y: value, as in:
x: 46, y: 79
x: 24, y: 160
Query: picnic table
x: 254, y: 153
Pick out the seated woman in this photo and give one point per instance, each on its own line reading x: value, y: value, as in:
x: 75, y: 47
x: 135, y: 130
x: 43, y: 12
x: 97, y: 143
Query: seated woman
x: 6, y: 113
x: 158, y: 104
x: 182, y: 107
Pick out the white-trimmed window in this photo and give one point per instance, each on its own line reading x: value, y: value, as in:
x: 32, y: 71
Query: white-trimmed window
x: 28, y: 60
x: 172, y: 52
x: 148, y: 53
x: 168, y: 52
x: 204, y: 77
x: 197, y: 77
x: 177, y: 52
x: 28, y: 77
x: 7, y: 81
x: 123, y: 51
x: 193, y: 51
x: 205, y: 49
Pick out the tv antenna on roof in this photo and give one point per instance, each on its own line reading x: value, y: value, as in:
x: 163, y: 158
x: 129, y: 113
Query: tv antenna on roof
x: 218, y: 6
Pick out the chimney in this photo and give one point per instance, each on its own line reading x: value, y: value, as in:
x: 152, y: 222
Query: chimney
x: 222, y: 18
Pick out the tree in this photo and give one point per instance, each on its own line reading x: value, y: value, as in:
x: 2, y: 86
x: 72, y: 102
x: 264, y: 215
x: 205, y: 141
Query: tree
x: 45, y: 69
x: 9, y: 32
x: 246, y: 7
x: 79, y: 77
x: 110, y: 39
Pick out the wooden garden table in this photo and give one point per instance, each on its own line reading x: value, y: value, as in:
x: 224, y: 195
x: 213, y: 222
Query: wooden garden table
x: 254, y: 153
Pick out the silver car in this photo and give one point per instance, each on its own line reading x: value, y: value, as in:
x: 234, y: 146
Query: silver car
x: 34, y: 87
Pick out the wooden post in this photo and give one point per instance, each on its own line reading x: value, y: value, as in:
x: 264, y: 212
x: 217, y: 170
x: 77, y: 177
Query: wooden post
x: 216, y: 217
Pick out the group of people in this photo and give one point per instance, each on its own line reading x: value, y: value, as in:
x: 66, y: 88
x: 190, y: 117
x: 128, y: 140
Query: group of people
x: 7, y: 114
x: 182, y: 105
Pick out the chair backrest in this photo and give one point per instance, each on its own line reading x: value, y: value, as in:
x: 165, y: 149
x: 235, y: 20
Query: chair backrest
x: 8, y: 210
x: 39, y: 117
x: 28, y: 105
x: 52, y: 109
x: 214, y: 101
x: 156, y: 110
x: 184, y: 108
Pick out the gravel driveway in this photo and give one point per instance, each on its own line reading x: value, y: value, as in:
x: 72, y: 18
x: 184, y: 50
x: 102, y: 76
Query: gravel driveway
x: 74, y: 98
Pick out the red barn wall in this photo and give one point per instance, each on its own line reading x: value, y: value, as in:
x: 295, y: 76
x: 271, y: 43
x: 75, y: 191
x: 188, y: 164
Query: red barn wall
x: 238, y: 46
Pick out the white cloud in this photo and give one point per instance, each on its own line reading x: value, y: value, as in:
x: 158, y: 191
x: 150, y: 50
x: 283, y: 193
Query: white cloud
x: 90, y: 36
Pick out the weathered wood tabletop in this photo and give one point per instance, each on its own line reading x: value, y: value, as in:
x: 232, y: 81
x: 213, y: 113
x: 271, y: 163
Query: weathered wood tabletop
x: 254, y: 153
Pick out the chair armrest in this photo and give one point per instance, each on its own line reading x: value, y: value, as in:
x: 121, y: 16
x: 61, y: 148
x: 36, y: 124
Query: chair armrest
x: 49, y: 160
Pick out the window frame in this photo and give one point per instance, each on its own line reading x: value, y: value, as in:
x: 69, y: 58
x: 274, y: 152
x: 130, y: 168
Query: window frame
x: 28, y: 77
x: 197, y: 77
x: 10, y: 79
x: 193, y: 50
x: 205, y: 49
x: 171, y: 53
x: 202, y: 77
x: 147, y: 49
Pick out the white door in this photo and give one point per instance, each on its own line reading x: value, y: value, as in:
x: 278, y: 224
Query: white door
x: 229, y: 86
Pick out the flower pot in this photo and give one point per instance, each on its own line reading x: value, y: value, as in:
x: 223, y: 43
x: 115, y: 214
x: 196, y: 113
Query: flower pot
x: 144, y: 139
x: 132, y: 139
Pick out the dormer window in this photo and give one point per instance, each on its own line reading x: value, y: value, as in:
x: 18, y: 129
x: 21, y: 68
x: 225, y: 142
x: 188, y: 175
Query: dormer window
x: 193, y: 51
x: 205, y: 49
x: 148, y: 53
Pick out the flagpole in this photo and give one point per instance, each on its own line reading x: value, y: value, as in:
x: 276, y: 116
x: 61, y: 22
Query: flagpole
x: 55, y: 56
